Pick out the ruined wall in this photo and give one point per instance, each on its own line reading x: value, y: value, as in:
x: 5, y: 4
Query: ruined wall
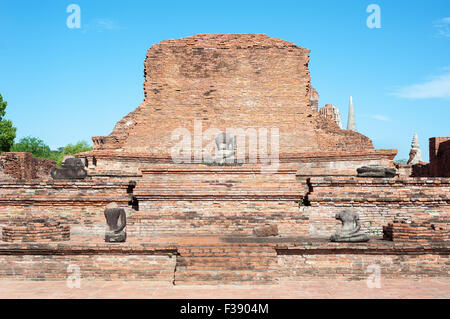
x: 378, y: 201
x: 177, y: 205
x: 439, y: 156
x: 439, y: 165
x: 216, y: 200
x: 77, y: 203
x: 331, y: 112
x: 98, y: 261
x: 360, y: 266
x: 215, y: 262
x: 228, y: 81
x: 21, y: 165
x: 126, y: 166
x: 227, y: 200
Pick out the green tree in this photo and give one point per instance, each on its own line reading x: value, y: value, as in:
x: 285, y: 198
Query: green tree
x: 33, y: 145
x: 38, y: 148
x: 72, y: 149
x: 7, y: 130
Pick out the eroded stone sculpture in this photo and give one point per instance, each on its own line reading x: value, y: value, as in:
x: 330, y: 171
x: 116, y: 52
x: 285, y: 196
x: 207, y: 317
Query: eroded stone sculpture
x: 71, y: 168
x: 116, y: 221
x: 376, y: 171
x: 350, y: 231
x: 226, y: 148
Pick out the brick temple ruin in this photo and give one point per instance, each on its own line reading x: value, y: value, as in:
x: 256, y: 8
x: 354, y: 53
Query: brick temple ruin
x: 192, y: 223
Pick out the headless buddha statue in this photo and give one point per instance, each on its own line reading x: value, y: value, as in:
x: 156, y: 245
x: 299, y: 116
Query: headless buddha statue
x: 350, y: 231
x: 117, y: 221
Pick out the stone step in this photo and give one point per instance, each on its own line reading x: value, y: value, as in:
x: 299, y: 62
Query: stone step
x: 190, y: 276
x: 228, y: 263
x: 228, y: 251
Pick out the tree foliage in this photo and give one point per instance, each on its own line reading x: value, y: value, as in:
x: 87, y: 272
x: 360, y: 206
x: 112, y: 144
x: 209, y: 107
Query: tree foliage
x: 33, y: 145
x: 71, y: 149
x: 38, y: 148
x: 7, y: 130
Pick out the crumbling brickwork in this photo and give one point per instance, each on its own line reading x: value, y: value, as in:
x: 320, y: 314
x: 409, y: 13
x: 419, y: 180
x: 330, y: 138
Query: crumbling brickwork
x: 425, y: 232
x: 440, y: 156
x: 20, y: 165
x: 35, y: 230
x: 78, y: 203
x: 359, y: 266
x: 331, y: 112
x: 119, y: 166
x: 241, y: 81
x: 217, y: 200
x: 439, y: 165
x: 378, y: 201
x: 217, y: 261
x: 228, y: 81
x: 100, y: 261
x: 238, y: 263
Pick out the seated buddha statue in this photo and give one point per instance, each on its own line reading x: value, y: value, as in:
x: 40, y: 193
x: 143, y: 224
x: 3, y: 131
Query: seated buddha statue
x: 350, y: 231
x: 116, y: 221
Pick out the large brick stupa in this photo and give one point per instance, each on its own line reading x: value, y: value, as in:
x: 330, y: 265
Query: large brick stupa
x: 230, y: 81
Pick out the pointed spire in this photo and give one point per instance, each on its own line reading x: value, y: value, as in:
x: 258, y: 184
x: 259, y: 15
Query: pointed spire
x: 351, y: 117
x: 415, y: 141
x: 415, y: 155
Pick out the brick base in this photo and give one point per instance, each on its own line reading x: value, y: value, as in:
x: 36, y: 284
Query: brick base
x: 235, y: 260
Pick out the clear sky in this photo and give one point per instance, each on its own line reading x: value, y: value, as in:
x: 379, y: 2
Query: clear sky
x: 63, y: 85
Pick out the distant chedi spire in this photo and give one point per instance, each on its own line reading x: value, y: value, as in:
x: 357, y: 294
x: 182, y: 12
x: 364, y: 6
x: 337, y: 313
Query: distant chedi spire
x: 415, y: 155
x: 351, y: 116
x: 331, y: 112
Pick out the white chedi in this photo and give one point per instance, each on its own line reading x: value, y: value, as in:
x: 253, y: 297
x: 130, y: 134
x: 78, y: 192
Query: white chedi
x: 415, y: 155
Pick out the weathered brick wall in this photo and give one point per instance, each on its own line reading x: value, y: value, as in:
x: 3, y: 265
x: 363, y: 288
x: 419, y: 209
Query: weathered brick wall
x: 100, y: 262
x: 339, y: 163
x: 21, y: 165
x: 352, y: 266
x: 377, y: 201
x: 312, y: 258
x: 239, y: 263
x: 228, y: 81
x: 379, y: 192
x: 79, y: 203
x: 125, y: 166
x: 323, y: 224
x: 35, y: 230
x: 214, y: 200
x: 206, y: 262
x: 209, y: 217
x: 439, y: 156
x: 425, y: 232
x: 420, y: 170
x: 206, y: 200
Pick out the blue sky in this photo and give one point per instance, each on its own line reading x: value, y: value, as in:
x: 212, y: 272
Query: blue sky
x: 65, y: 85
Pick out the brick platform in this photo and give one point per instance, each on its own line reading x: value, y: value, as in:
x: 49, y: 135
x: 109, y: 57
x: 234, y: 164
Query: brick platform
x: 213, y: 260
x: 204, y: 200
